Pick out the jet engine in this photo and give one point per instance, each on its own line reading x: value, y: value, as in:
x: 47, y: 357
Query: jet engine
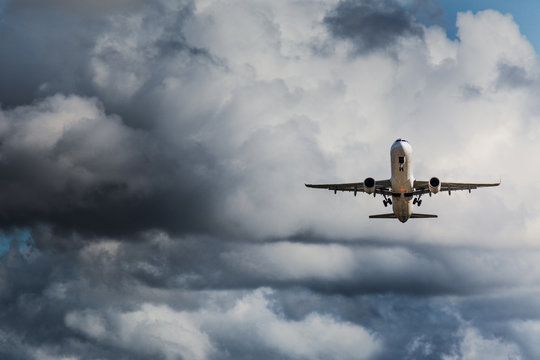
x: 369, y: 185
x: 434, y: 185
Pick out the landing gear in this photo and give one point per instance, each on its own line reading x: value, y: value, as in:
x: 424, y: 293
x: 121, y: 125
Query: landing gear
x: 417, y: 200
x: 386, y: 201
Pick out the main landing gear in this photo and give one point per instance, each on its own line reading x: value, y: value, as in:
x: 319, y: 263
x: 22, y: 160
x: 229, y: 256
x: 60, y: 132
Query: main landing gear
x: 386, y: 201
x: 417, y: 200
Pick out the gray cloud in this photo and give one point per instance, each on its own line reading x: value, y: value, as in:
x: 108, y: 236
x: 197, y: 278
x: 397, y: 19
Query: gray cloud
x: 94, y: 297
x: 66, y: 159
x: 513, y: 76
x: 372, y: 25
x: 427, y: 11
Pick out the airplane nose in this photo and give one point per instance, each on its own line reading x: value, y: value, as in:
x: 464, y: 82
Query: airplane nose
x: 398, y: 148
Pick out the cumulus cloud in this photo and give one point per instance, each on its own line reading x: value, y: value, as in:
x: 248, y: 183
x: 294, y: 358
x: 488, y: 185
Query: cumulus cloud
x: 161, y: 330
x: 200, y: 298
x: 526, y: 333
x: 156, y: 153
x: 474, y: 346
x: 151, y: 330
x: 65, y: 158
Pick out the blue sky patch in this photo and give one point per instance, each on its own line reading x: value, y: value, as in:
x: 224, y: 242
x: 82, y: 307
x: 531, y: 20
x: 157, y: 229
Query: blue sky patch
x: 524, y: 13
x: 22, y: 236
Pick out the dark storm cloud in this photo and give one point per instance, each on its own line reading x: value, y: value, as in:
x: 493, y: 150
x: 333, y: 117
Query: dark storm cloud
x: 40, y: 288
x: 156, y: 260
x: 101, y: 6
x: 81, y: 295
x: 44, y: 47
x: 100, y: 174
x: 149, y: 134
x: 97, y: 174
x: 372, y: 25
x: 48, y: 48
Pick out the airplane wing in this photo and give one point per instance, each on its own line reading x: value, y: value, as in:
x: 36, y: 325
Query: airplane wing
x: 381, y: 187
x: 422, y: 186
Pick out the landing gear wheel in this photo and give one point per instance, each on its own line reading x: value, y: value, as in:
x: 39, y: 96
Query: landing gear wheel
x: 419, y: 202
x: 385, y: 203
x: 414, y: 201
x: 389, y: 201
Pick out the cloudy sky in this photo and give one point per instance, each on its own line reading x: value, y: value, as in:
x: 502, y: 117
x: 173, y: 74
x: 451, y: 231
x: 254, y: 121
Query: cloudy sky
x: 153, y: 156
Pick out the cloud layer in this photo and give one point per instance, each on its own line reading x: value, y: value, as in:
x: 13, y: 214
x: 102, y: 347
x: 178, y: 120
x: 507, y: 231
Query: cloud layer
x: 153, y: 159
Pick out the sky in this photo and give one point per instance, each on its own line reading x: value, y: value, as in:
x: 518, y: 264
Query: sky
x: 524, y: 14
x: 153, y: 157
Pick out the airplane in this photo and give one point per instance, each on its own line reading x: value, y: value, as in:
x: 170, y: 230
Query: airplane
x: 402, y: 190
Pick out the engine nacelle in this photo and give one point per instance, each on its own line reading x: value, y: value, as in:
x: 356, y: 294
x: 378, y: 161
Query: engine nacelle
x: 434, y: 185
x: 369, y: 185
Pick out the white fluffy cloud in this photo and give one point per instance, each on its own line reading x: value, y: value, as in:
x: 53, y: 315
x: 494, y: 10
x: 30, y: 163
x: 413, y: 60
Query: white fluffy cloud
x: 301, y: 117
x: 526, y: 333
x: 476, y: 347
x: 158, y: 329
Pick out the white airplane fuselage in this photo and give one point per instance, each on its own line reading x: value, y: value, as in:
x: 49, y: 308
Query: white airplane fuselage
x: 402, y: 180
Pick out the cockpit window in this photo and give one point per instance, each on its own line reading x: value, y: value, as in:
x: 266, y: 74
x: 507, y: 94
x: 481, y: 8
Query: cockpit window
x: 401, y: 140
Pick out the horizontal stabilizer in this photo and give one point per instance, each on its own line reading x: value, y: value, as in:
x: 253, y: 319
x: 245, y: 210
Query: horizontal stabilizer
x: 393, y: 216
x: 383, y: 216
x: 419, y: 216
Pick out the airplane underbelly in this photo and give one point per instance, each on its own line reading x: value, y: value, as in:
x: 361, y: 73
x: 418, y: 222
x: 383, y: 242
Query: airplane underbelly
x: 402, y: 208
